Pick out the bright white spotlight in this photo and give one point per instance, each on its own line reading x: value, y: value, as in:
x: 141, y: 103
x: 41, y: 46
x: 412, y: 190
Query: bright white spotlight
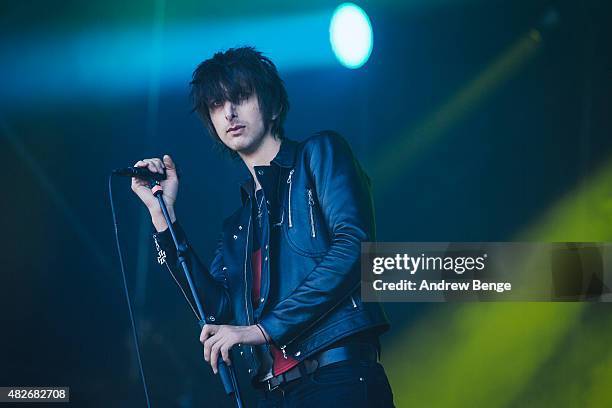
x: 350, y: 34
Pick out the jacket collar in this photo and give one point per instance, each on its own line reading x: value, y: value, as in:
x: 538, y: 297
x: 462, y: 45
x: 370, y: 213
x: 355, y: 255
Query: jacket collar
x: 286, y: 154
x: 284, y: 158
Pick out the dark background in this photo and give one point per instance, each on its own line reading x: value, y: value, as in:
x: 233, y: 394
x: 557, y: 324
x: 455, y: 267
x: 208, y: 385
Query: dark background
x: 467, y: 134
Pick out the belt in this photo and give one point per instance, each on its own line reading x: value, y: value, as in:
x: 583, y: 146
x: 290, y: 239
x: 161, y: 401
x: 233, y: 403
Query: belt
x: 357, y: 352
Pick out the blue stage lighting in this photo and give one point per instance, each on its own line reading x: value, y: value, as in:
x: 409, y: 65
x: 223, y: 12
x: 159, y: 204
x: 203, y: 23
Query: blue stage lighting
x: 350, y: 34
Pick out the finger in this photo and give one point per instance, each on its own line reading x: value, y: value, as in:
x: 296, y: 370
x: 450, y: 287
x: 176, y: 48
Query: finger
x: 159, y: 165
x: 207, y: 331
x: 170, y: 166
x: 140, y: 163
x: 151, y: 165
x: 225, y: 354
x: 208, y: 345
x: 168, y: 162
x: 137, y: 183
x: 214, y: 356
x: 207, y: 351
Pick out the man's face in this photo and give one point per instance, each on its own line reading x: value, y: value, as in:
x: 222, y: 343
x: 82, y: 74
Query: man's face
x: 239, y: 126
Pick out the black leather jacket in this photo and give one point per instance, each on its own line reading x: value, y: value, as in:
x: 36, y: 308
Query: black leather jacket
x: 325, y: 213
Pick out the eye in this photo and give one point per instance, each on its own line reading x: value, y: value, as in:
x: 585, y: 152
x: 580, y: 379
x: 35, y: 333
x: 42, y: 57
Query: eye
x: 216, y: 104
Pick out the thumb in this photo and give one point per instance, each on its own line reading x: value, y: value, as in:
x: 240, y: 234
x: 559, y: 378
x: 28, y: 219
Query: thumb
x: 170, y: 166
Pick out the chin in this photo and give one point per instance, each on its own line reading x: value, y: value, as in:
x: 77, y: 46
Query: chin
x: 245, y: 146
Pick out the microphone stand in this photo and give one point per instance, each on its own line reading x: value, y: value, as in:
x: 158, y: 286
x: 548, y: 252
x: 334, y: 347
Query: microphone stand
x: 228, y: 377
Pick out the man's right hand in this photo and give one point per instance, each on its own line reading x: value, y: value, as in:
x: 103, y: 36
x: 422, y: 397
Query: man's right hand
x: 169, y: 185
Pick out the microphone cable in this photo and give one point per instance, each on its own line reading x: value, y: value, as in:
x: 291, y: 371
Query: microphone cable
x: 127, y: 294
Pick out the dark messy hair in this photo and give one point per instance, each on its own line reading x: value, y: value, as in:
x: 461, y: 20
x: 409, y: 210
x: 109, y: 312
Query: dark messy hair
x: 233, y: 76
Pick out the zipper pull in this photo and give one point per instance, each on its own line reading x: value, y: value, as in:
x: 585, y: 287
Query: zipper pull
x: 310, y: 205
x: 284, y: 352
x: 289, y: 200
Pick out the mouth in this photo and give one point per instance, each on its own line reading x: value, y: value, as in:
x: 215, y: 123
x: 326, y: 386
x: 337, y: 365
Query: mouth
x: 235, y: 128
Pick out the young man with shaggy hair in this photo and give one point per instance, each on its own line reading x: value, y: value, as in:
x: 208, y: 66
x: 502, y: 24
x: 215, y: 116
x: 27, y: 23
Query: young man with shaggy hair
x: 283, y: 288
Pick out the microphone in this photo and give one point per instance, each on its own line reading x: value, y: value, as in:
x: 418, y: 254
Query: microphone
x: 139, y: 172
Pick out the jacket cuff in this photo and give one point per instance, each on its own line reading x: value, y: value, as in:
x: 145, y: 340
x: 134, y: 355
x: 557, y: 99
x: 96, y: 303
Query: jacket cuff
x: 164, y: 243
x: 164, y: 238
x: 276, y: 332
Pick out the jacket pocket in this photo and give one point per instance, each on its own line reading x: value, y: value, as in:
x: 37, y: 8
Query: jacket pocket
x: 307, y: 234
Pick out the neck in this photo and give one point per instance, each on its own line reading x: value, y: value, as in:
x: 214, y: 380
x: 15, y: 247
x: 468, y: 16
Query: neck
x: 262, y: 155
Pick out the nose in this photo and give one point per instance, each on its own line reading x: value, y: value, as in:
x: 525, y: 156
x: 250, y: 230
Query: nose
x: 230, y: 110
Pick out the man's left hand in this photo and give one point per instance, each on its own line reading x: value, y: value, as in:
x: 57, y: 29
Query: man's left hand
x: 221, y: 338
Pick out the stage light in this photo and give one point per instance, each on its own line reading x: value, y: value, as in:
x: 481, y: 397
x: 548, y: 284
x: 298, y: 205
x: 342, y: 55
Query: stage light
x: 108, y: 62
x: 350, y: 34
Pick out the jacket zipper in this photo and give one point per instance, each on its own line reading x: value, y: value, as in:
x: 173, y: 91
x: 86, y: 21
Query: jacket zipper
x: 310, y: 205
x: 354, y: 304
x: 246, y: 286
x: 289, y: 182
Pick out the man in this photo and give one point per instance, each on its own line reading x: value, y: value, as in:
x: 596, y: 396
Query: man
x: 283, y: 288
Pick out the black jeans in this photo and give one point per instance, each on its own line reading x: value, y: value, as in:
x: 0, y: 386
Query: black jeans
x: 345, y: 384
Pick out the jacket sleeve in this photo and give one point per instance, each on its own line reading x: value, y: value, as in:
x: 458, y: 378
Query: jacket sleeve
x: 210, y: 284
x: 344, y: 196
